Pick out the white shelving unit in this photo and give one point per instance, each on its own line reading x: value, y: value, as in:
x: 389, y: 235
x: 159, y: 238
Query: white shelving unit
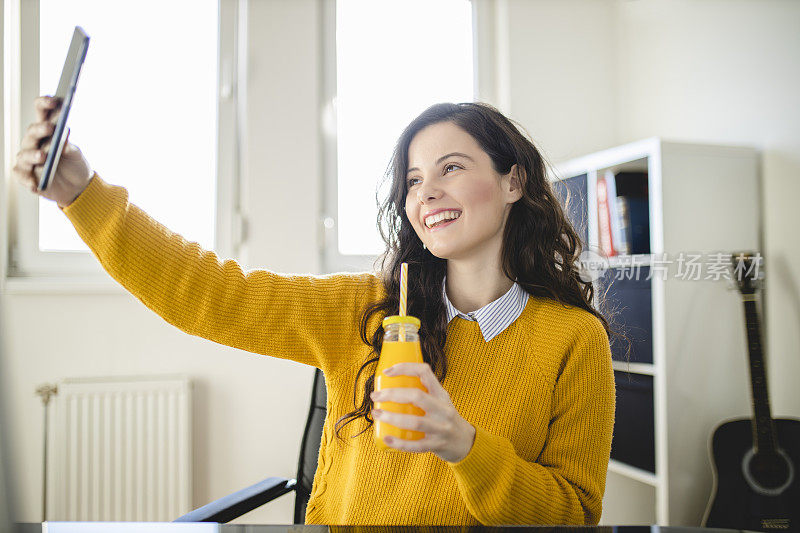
x: 703, y: 199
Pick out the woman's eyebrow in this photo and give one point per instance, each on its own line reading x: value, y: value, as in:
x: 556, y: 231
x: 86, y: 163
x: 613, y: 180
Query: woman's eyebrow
x: 458, y: 154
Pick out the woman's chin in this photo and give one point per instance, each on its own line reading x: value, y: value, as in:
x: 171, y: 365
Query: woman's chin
x: 442, y: 251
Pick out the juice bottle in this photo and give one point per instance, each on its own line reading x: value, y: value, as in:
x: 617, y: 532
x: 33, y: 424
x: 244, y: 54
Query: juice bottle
x: 397, y: 350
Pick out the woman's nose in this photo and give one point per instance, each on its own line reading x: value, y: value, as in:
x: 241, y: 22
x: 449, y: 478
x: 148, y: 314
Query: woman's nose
x: 428, y: 191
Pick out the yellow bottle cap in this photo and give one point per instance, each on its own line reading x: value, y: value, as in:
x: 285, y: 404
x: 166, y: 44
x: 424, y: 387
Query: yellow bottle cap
x: 398, y: 319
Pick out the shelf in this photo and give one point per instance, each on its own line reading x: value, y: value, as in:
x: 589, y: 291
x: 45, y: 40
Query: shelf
x: 631, y: 156
x: 632, y: 472
x: 635, y: 368
x: 678, y: 197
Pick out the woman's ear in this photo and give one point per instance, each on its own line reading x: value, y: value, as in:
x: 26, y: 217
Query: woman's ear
x: 515, y: 182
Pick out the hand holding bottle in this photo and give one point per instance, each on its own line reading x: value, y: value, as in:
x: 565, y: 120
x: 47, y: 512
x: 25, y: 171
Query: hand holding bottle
x: 447, y: 433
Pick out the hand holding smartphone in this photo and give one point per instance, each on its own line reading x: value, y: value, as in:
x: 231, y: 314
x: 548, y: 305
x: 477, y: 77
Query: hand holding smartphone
x: 65, y: 92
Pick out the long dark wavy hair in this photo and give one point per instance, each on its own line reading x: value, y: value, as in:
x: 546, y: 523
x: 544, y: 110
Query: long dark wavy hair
x: 541, y: 248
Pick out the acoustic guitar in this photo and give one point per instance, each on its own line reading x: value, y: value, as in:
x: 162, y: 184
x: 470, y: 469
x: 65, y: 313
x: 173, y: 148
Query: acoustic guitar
x: 755, y: 460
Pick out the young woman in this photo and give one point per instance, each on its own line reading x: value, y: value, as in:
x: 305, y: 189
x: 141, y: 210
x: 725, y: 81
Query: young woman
x: 520, y: 404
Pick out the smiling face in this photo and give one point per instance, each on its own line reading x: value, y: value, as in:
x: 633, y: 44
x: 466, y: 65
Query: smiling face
x: 450, y: 173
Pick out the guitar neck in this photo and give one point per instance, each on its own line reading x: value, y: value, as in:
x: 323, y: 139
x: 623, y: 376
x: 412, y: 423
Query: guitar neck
x: 763, y: 427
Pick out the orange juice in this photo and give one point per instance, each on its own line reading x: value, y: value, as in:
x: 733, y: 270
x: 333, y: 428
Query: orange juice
x: 396, y: 350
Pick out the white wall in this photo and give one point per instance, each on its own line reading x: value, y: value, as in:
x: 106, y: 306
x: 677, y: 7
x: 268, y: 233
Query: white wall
x: 583, y: 75
x: 562, y: 79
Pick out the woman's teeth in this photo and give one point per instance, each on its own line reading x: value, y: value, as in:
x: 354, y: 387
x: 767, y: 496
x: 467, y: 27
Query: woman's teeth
x: 433, y: 220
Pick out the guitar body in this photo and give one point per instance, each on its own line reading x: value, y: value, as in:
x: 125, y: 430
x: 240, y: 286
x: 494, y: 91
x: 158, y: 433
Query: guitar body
x: 767, y: 498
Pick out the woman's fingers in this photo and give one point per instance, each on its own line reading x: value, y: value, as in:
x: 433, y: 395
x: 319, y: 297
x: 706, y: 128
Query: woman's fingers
x: 44, y: 105
x: 412, y: 422
x: 36, y: 132
x: 28, y: 177
x: 73, y: 173
x: 27, y: 159
x: 23, y: 167
x: 425, y: 374
x: 29, y: 166
x: 414, y: 396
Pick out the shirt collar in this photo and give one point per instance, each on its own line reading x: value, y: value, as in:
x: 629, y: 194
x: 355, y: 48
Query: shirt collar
x: 495, y: 317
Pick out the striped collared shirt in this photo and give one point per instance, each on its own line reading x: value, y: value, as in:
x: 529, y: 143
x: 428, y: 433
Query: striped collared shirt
x: 494, y: 317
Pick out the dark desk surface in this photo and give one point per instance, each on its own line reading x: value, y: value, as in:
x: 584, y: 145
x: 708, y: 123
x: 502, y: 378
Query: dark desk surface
x: 186, y: 527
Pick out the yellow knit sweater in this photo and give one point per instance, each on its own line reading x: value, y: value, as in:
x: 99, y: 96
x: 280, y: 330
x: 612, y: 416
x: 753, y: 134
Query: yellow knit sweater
x: 540, y: 395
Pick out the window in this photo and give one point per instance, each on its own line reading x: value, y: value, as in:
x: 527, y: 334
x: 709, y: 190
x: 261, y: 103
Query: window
x: 392, y: 60
x: 146, y: 115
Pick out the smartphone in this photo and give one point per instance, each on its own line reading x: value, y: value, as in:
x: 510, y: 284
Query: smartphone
x: 65, y: 92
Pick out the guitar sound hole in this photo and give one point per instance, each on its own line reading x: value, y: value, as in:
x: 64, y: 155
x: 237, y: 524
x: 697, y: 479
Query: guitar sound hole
x: 768, y: 473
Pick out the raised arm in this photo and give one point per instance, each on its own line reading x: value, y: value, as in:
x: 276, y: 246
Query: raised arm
x: 309, y: 319
x: 287, y: 316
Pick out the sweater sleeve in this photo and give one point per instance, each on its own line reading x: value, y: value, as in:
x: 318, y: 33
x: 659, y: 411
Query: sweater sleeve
x: 566, y: 483
x: 304, y: 318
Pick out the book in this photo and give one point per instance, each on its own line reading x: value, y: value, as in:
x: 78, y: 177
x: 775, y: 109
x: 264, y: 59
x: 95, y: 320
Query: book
x: 624, y: 213
x: 633, y: 185
x: 639, y: 217
x: 605, y: 234
x: 623, y: 245
x: 613, y: 210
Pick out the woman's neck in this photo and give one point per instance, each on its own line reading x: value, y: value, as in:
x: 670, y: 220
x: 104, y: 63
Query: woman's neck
x: 470, y: 287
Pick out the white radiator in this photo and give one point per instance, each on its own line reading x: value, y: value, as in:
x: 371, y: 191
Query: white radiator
x: 120, y: 450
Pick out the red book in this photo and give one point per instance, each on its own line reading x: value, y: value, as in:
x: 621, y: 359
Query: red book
x: 604, y: 218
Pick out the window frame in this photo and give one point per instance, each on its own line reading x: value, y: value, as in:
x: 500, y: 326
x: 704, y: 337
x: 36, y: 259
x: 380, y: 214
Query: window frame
x: 25, y: 262
x: 484, y: 52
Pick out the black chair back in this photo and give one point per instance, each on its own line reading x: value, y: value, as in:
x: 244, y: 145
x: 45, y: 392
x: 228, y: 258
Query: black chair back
x: 309, y: 448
